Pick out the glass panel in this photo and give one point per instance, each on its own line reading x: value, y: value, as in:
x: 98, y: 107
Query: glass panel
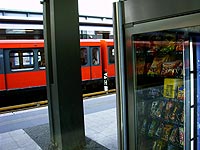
x: 95, y: 56
x: 27, y: 58
x: 163, y: 85
x: 14, y: 60
x: 111, y: 53
x: 41, y: 59
x: 84, y: 56
x: 21, y: 60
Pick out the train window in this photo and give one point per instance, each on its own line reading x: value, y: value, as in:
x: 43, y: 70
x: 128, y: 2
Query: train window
x: 21, y: 60
x: 41, y: 59
x: 111, y: 52
x: 84, y: 56
x: 95, y: 56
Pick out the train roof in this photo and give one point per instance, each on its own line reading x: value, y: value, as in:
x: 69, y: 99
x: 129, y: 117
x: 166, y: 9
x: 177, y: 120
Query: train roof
x: 21, y: 43
x: 40, y: 43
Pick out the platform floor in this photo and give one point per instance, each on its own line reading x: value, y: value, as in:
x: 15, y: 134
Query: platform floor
x: 100, y: 131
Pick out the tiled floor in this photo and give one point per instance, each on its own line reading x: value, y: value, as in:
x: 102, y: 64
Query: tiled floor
x: 17, y: 140
x: 102, y: 128
x: 99, y: 126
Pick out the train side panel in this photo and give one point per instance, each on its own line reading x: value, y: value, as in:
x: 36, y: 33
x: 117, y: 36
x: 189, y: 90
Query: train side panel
x: 21, y: 80
x: 23, y: 64
x: 2, y: 72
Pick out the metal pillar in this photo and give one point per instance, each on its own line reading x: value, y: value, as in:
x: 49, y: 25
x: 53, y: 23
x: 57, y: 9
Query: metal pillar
x: 120, y: 75
x: 62, y: 52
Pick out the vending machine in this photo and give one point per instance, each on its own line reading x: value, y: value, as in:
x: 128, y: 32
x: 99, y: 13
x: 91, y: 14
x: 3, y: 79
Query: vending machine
x: 157, y: 46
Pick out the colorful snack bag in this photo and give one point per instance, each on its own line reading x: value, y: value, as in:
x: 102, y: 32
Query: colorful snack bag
x: 166, y: 132
x: 159, y: 145
x: 159, y: 110
x: 174, y: 114
x: 174, y: 135
x: 156, y: 66
x: 181, y: 93
x: 159, y: 130
x: 169, y: 69
x: 152, y: 128
x: 181, y: 136
x: 168, y: 109
x: 154, y: 106
x: 170, y: 87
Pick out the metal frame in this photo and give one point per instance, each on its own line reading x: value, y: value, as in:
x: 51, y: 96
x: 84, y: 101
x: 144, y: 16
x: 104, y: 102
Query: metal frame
x: 158, y: 25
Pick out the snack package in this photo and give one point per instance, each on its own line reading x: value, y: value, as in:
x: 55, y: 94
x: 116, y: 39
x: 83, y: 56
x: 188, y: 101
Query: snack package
x: 182, y: 116
x: 156, y: 66
x: 159, y: 145
x: 174, y: 136
x: 181, y: 136
x: 168, y: 108
x: 152, y: 128
x: 154, y: 107
x: 169, y: 69
x: 174, y: 114
x: 170, y: 87
x: 181, y: 93
x: 166, y: 132
x: 159, y: 130
x: 159, y: 110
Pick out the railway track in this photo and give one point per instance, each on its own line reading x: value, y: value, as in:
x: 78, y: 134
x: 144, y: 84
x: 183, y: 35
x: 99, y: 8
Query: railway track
x: 14, y: 108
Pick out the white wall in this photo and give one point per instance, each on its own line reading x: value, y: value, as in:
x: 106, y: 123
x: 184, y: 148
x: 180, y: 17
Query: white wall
x: 86, y: 7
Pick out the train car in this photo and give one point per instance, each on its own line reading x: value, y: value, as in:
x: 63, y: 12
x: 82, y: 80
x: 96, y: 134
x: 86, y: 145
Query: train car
x: 22, y: 64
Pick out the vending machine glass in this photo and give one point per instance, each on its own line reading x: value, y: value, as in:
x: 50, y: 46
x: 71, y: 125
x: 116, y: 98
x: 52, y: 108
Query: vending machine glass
x: 165, y: 87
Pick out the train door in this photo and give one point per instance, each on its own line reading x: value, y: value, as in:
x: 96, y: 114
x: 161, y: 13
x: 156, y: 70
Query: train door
x: 85, y: 64
x: 20, y: 69
x: 95, y: 63
x: 2, y: 72
x: 111, y: 60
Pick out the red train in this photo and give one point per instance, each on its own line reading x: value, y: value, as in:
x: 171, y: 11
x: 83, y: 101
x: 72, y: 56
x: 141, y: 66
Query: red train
x: 22, y: 64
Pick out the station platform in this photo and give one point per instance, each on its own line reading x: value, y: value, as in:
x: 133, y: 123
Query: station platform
x: 29, y: 129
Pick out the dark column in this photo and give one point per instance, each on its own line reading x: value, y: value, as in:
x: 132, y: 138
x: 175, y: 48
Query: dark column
x: 62, y: 52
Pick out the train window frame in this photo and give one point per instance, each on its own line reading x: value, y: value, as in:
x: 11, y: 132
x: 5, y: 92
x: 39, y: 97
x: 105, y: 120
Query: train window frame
x: 95, y: 56
x: 111, y: 55
x: 41, y: 59
x: 23, y: 60
x: 84, y: 56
